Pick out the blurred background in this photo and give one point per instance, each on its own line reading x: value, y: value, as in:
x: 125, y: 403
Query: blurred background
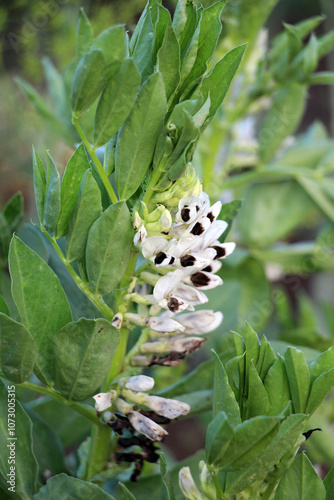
x: 35, y: 32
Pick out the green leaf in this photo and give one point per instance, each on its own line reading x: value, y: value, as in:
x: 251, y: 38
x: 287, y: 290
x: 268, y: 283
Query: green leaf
x: 251, y: 439
x: 184, y: 22
x: 323, y: 363
x: 299, y: 378
x: 137, y: 137
x: 169, y: 61
x: 320, y: 389
x: 18, y: 351
x: 52, y: 197
x: 70, y: 488
x: 258, y: 400
x: 224, y: 399
x: 270, y: 211
x: 86, y: 211
x: 90, y: 76
x: 218, y: 437
x: 218, y: 81
x: 287, y: 435
x: 85, y: 36
x: 108, y: 248
x: 277, y: 386
x: 252, y: 345
x: 325, y: 44
x: 167, y: 492
x: 70, y: 184
x: 116, y: 102
x: 47, y: 447
x: 317, y: 193
x: 126, y: 493
x: 329, y: 484
x: 282, y: 119
x: 3, y: 306
x: 266, y: 359
x: 40, y: 300
x: 142, y: 46
x: 39, y: 184
x: 25, y: 465
x: 209, y: 31
x: 13, y: 211
x: 228, y: 213
x: 5, y: 235
x: 321, y: 78
x: 83, y: 354
x: 109, y: 164
x: 112, y: 42
x: 301, y: 481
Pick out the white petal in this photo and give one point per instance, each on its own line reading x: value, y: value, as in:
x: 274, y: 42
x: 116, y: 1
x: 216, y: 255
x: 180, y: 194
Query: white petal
x: 103, y: 400
x: 146, y: 426
x: 140, y: 237
x: 212, y: 234
x: 166, y: 325
x: 167, y: 284
x: 190, y: 294
x: 214, y: 211
x: 169, y: 408
x: 199, y: 322
x: 188, y: 486
x: 228, y: 248
x: 208, y: 282
x: 154, y: 245
x: 140, y: 383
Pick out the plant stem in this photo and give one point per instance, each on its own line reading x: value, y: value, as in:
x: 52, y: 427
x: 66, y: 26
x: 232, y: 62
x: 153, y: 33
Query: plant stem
x: 96, y: 161
x: 98, y: 450
x: 143, y: 337
x: 87, y: 412
x: 107, y: 312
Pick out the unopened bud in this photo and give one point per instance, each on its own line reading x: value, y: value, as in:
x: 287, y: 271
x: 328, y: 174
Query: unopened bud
x: 207, y: 484
x: 187, y: 485
x: 137, y: 220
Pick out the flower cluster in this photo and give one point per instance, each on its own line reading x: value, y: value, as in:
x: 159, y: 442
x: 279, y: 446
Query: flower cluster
x: 132, y: 392
x: 184, y: 257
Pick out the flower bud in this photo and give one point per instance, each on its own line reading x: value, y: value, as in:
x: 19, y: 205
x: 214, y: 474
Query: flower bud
x: 140, y: 237
x: 117, y: 321
x: 169, y: 408
x: 206, y: 481
x: 140, y: 383
x: 187, y: 485
x: 146, y: 426
x: 177, y: 343
x: 137, y: 220
x: 103, y: 400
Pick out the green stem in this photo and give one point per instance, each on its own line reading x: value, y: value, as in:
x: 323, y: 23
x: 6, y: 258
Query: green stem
x: 135, y: 349
x: 87, y: 412
x: 107, y: 312
x: 156, y: 174
x: 96, y: 161
x: 98, y: 450
x: 219, y: 492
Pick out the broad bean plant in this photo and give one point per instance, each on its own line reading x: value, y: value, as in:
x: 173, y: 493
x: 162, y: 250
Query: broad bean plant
x: 179, y: 128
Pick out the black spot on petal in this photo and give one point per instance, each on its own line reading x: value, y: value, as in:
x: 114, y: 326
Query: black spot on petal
x: 187, y: 261
x: 198, y: 229
x: 221, y: 252
x: 207, y: 269
x: 172, y: 260
x: 200, y: 279
x: 173, y: 304
x: 185, y: 214
x: 211, y: 217
x: 160, y: 257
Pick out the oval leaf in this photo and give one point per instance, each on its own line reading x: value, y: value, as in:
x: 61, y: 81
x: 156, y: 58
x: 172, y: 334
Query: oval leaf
x: 138, y: 136
x: 83, y: 353
x: 116, y: 102
x: 70, y: 488
x: 18, y: 351
x: 40, y: 300
x: 108, y: 248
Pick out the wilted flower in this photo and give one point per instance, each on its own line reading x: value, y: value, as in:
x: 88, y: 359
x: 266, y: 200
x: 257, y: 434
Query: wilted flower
x: 146, y: 426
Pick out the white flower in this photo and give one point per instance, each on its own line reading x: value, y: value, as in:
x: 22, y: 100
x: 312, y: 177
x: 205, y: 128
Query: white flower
x: 139, y: 383
x: 103, y: 400
x: 199, y: 322
x: 140, y: 236
x: 169, y: 408
x: 146, y: 426
x: 117, y: 321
